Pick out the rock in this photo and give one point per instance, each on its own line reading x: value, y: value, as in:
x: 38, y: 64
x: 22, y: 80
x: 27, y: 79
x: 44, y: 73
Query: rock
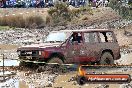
x: 72, y: 79
x: 49, y: 85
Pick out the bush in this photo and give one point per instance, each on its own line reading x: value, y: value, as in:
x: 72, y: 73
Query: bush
x: 20, y: 22
x: 48, y: 19
x: 3, y: 21
x: 16, y: 21
x: 124, y: 11
x: 60, y: 13
x: 33, y: 21
x: 75, y: 12
x: 84, y: 18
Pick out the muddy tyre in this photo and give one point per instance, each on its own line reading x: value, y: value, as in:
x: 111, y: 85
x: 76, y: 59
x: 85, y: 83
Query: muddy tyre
x: 55, y: 60
x: 55, y: 64
x: 106, y: 59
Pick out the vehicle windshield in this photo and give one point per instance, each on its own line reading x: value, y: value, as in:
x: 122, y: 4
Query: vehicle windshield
x: 56, y: 37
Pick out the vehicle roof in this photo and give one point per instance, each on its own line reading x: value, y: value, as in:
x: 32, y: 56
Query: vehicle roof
x: 86, y: 30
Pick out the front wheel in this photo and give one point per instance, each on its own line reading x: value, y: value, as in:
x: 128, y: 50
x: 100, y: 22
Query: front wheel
x: 106, y: 59
x: 56, y: 64
x: 55, y: 60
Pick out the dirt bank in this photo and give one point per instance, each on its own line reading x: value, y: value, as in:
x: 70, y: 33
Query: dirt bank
x: 8, y: 46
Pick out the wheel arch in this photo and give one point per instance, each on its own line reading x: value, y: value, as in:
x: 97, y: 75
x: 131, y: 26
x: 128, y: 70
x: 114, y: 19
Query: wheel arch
x: 57, y: 54
x: 107, y: 50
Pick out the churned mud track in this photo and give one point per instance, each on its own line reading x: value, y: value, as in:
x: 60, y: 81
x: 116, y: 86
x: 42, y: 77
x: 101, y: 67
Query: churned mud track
x: 51, y: 69
x: 64, y: 76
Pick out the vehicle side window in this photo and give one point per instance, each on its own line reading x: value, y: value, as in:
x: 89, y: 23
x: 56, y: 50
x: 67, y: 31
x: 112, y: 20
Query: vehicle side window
x: 106, y: 36
x: 76, y: 37
x: 91, y: 37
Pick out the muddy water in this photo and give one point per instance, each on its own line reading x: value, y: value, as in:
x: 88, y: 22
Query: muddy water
x: 10, y: 83
x: 8, y: 62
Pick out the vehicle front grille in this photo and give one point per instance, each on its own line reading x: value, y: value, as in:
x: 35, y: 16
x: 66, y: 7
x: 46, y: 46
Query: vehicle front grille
x: 32, y: 55
x: 29, y: 53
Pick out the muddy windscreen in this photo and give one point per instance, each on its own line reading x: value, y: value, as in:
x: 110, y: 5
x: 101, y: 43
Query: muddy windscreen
x: 56, y: 37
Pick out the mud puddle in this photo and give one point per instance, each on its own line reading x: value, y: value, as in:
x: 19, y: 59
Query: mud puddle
x: 8, y: 62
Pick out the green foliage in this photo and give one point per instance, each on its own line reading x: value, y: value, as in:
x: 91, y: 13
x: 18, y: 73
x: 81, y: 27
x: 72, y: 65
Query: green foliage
x: 74, y: 13
x: 124, y: 11
x: 60, y: 13
x: 86, y: 8
x: 4, y: 27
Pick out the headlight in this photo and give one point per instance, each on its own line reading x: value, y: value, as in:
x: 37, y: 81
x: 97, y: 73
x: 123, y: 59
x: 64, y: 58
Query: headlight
x: 45, y: 54
x: 40, y: 53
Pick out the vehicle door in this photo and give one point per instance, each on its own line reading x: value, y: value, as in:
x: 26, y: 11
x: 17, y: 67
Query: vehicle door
x: 91, y: 42
x: 75, y: 49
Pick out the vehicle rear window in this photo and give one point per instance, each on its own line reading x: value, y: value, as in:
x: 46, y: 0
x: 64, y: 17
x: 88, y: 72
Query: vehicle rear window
x: 106, y: 36
x: 91, y: 37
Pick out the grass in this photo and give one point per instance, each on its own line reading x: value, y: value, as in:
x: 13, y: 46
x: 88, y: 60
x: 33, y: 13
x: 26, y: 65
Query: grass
x: 123, y: 11
x: 4, y: 27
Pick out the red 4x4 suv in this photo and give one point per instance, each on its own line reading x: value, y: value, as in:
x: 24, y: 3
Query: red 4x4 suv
x: 74, y: 47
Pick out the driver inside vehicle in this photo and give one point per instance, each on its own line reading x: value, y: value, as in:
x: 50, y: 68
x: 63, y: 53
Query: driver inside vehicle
x: 76, y: 38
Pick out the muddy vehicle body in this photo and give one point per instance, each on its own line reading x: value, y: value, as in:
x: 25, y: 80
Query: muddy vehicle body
x: 74, y: 47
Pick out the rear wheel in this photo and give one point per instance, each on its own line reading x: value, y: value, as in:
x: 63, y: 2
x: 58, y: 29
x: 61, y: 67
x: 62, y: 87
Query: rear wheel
x: 106, y: 59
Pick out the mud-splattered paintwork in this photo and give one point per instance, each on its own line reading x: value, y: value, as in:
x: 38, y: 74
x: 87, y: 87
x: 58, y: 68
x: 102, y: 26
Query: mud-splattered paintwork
x: 78, y: 53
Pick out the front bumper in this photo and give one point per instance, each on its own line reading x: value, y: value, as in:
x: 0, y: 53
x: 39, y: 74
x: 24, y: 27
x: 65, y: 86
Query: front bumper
x: 36, y: 62
x: 32, y: 58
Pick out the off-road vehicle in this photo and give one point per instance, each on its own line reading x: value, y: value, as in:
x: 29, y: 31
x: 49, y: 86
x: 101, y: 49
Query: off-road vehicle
x: 74, y: 47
